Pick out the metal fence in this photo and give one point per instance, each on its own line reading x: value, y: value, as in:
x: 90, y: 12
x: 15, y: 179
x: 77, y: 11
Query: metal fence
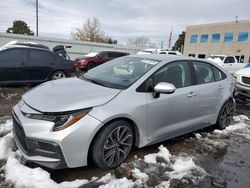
x: 78, y: 48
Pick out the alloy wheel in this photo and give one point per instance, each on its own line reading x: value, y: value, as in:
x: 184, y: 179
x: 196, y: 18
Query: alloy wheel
x: 117, y: 145
x: 226, y: 116
x: 58, y: 75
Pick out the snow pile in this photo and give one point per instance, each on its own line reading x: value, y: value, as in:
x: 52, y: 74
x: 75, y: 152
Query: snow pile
x: 5, y: 127
x: 241, y: 128
x: 23, y: 176
x: 184, y: 167
x: 6, y: 144
x: 109, y: 181
x: 164, y: 153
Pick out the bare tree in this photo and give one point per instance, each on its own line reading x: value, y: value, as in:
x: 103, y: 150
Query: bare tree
x: 139, y: 42
x: 91, y: 31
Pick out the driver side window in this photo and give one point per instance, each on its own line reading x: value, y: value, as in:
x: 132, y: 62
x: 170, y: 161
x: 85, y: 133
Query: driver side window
x: 176, y: 73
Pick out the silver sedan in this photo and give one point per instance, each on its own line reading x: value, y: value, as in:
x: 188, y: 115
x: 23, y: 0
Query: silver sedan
x: 131, y: 101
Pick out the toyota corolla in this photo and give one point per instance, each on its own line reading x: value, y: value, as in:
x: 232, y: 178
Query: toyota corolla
x: 128, y: 102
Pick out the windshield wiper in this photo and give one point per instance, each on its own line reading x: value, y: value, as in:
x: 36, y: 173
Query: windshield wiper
x: 93, y: 81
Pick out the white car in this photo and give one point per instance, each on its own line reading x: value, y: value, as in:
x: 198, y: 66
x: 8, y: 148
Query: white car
x: 229, y: 63
x: 243, y: 82
x: 148, y: 51
x: 169, y: 52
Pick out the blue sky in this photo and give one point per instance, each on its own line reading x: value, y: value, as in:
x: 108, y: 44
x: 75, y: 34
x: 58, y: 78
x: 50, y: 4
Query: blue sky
x: 122, y: 19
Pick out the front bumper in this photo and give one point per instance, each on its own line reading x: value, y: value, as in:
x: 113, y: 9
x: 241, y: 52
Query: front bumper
x: 242, y: 90
x: 62, y: 149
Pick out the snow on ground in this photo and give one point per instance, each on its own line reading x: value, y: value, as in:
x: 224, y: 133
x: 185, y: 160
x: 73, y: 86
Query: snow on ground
x: 162, y: 167
x: 164, y: 153
x: 110, y: 181
x: 6, y: 144
x: 5, y: 127
x: 240, y: 128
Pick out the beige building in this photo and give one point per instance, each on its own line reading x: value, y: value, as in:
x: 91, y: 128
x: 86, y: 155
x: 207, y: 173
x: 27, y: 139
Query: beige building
x: 228, y: 38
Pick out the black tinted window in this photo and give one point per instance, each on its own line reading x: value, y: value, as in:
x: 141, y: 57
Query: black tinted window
x: 39, y: 57
x: 229, y: 60
x: 113, y: 55
x: 204, y: 72
x: 219, y: 75
x: 172, y: 53
x: 103, y: 55
x: 13, y: 54
x: 13, y: 57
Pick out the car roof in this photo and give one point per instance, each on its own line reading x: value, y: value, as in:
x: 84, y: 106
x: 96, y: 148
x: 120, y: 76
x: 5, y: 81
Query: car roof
x: 112, y: 51
x: 23, y: 46
x: 166, y: 57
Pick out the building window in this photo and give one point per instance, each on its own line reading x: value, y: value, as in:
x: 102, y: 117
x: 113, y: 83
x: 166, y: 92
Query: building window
x: 193, y: 38
x: 216, y: 37
x: 191, y: 55
x: 243, y: 36
x: 202, y: 56
x: 204, y: 38
x: 229, y: 37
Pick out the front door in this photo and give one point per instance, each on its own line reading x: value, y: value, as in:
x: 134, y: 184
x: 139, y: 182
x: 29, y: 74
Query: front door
x: 171, y: 114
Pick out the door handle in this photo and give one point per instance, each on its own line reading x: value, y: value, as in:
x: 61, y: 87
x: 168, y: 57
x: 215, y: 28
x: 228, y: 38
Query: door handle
x: 191, y: 94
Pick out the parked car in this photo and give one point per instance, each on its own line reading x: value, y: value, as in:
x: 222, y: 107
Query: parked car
x: 148, y: 51
x: 23, y: 64
x: 243, y: 82
x: 93, y: 59
x: 169, y: 52
x: 229, y: 63
x: 157, y: 98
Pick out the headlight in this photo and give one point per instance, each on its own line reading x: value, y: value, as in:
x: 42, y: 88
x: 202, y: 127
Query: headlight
x: 62, y: 121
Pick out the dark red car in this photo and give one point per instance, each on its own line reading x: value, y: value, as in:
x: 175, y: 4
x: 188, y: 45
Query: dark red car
x: 94, y: 59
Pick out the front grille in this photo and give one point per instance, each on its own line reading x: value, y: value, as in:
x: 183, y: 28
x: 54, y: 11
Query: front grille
x: 246, y: 80
x: 19, y: 132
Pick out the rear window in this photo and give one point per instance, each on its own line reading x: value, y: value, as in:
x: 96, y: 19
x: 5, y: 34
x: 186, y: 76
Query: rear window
x: 204, y: 72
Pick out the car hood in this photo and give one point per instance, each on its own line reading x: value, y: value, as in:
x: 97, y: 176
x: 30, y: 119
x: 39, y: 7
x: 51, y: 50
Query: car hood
x: 67, y: 95
x: 244, y: 71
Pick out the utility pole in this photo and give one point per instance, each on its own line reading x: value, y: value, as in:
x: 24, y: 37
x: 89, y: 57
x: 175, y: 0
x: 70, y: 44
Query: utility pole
x: 37, y: 18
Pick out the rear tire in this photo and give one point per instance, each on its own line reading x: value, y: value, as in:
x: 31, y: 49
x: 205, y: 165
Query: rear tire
x: 112, y: 145
x: 58, y: 75
x: 226, y: 115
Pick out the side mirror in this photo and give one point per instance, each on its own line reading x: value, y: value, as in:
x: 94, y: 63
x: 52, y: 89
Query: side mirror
x: 163, y: 87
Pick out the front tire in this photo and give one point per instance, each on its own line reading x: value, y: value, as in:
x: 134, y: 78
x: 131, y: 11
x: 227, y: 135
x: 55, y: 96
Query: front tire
x: 112, y: 145
x: 226, y: 115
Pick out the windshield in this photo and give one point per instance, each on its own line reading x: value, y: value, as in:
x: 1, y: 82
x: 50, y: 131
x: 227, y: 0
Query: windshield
x: 92, y: 54
x: 120, y: 73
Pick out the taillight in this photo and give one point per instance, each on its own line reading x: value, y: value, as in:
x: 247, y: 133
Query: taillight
x: 75, y: 65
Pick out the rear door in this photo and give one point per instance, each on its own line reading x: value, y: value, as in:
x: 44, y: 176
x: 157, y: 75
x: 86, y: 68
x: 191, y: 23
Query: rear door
x: 40, y: 64
x: 13, y: 65
x: 209, y: 90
